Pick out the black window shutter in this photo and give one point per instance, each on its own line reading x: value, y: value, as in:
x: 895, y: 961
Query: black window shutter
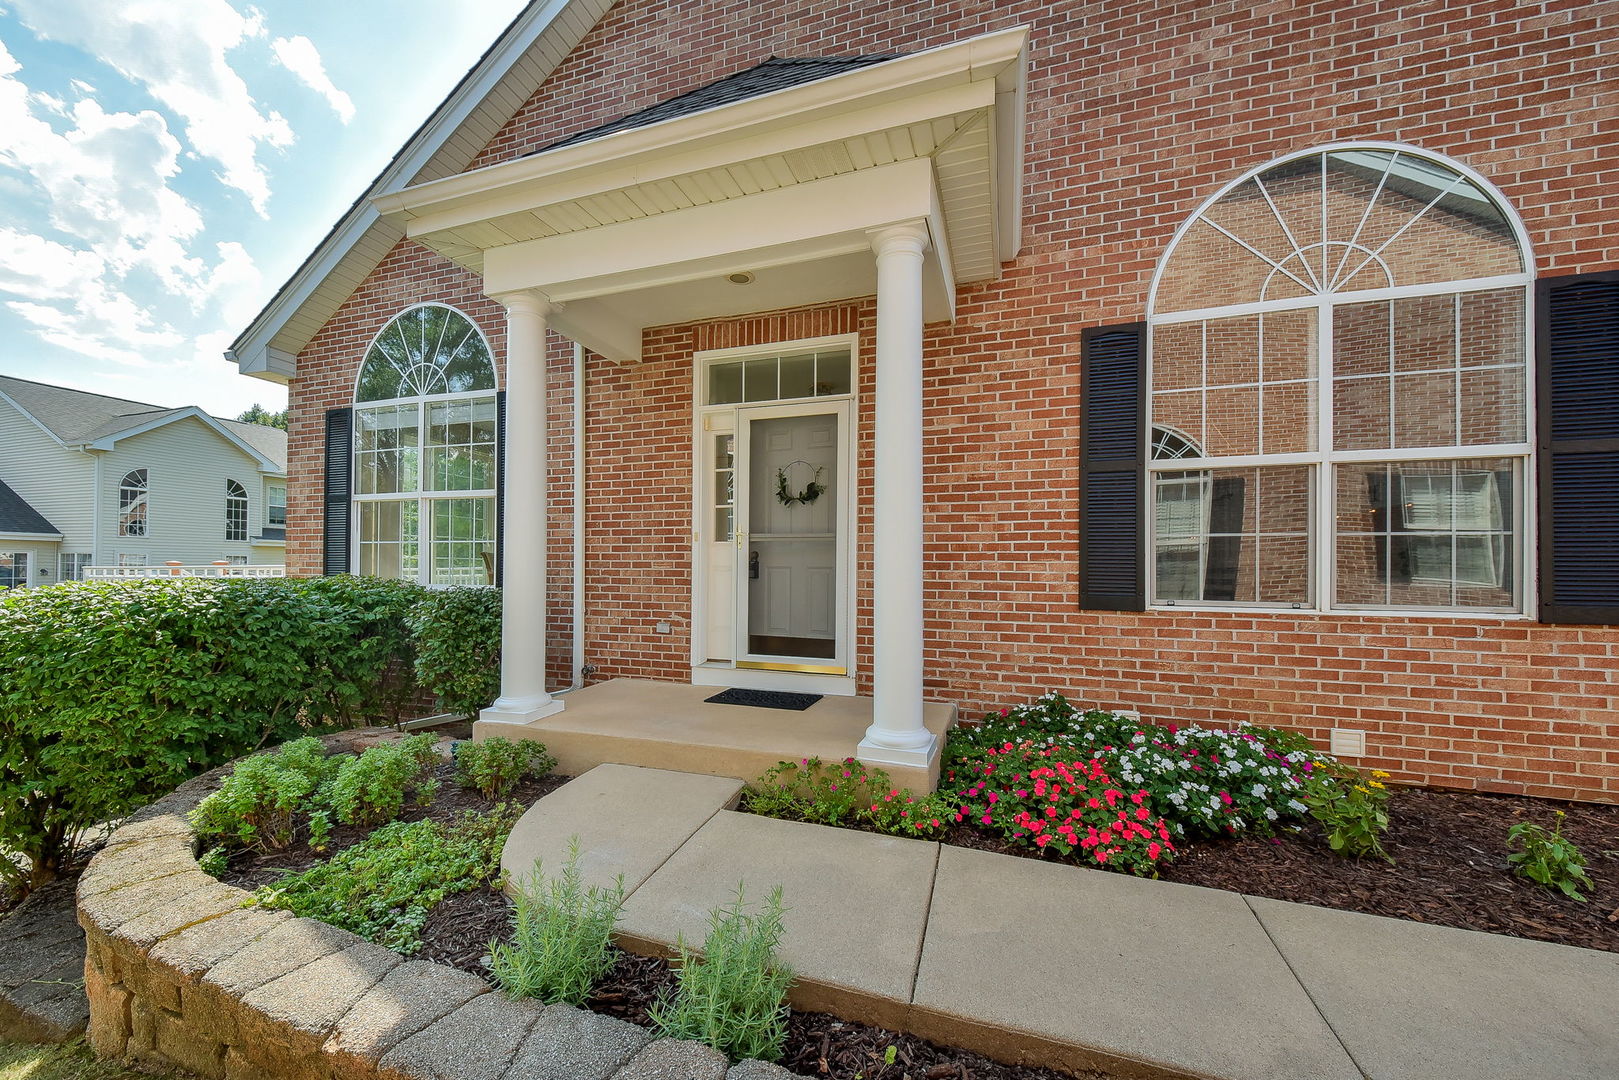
x: 1577, y: 346
x: 500, y: 488
x: 339, y: 486
x: 1112, y: 467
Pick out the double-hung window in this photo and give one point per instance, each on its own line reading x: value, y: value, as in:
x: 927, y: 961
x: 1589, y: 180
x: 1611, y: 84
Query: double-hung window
x: 424, y: 451
x: 1338, y: 399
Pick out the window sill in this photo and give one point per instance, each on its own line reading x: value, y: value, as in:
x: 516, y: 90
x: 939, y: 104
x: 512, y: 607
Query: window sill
x: 1454, y: 614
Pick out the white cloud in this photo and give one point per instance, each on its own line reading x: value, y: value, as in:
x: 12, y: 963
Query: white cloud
x: 299, y: 56
x: 105, y: 182
x: 176, y: 50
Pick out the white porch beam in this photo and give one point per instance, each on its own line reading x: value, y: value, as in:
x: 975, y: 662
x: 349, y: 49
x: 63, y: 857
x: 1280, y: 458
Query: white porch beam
x: 897, y: 735
x: 658, y: 249
x: 523, y: 697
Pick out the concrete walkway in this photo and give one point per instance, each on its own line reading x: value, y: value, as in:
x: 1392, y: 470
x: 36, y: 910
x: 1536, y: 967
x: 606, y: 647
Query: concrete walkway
x: 1047, y: 964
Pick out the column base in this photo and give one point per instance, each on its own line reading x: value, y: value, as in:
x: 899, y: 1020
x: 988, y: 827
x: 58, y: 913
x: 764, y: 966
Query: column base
x: 922, y: 757
x: 521, y: 710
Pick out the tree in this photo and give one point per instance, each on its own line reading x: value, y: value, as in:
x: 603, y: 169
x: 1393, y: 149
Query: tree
x: 258, y: 414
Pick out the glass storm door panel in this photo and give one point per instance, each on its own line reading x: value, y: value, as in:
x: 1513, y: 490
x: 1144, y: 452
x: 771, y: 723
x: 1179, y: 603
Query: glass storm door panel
x: 792, y: 520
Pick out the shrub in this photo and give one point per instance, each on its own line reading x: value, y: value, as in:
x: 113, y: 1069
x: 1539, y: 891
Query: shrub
x: 1352, y: 810
x: 457, y: 638
x: 384, y: 887
x: 734, y: 996
x: 561, y: 936
x: 114, y: 692
x: 260, y: 802
x: 1548, y: 857
x: 494, y: 767
x: 1202, y: 781
x: 847, y: 793
x: 370, y: 788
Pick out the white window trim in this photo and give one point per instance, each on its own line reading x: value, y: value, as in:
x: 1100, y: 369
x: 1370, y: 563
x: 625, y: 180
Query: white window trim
x: 702, y: 361
x: 1323, y: 503
x: 146, y: 518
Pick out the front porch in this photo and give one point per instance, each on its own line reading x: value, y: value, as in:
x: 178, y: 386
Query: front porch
x: 670, y: 726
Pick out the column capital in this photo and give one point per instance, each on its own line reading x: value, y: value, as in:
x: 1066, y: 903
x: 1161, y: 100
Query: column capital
x: 907, y: 236
x: 524, y: 302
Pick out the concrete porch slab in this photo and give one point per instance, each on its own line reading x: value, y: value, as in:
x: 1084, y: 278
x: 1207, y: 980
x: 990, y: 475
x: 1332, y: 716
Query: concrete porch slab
x: 1082, y: 968
x: 667, y: 725
x: 628, y: 821
x: 1418, y: 1002
x: 856, y: 904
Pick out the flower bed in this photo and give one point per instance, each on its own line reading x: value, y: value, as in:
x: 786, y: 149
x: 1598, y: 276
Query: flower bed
x: 457, y: 928
x: 1250, y: 810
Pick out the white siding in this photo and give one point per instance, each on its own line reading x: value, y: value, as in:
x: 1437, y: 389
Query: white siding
x: 187, y: 464
x: 41, y: 559
x: 50, y: 478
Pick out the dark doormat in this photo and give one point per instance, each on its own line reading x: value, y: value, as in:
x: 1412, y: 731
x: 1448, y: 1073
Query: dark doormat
x: 765, y: 699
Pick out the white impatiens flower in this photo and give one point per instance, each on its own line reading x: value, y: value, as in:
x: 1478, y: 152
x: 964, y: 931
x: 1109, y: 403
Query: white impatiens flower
x: 1259, y: 791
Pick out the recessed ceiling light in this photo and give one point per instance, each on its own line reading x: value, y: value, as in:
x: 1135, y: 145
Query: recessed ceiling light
x: 741, y: 277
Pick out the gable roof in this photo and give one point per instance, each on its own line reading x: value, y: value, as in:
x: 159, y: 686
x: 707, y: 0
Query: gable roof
x: 490, y: 94
x: 81, y: 418
x: 776, y: 73
x: 16, y: 516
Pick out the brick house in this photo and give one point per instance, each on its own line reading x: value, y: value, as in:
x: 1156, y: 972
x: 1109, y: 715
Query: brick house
x: 1215, y: 361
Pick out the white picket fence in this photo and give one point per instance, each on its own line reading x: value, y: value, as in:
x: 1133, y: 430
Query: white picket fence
x: 210, y: 570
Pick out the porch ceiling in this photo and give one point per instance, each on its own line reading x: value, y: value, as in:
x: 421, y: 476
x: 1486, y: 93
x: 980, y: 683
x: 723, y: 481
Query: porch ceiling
x: 597, y: 226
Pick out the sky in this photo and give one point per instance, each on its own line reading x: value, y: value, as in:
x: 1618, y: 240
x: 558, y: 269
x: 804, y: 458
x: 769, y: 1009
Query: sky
x: 165, y: 165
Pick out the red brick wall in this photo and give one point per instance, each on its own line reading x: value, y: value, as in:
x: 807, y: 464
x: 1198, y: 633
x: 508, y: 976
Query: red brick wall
x: 1137, y: 112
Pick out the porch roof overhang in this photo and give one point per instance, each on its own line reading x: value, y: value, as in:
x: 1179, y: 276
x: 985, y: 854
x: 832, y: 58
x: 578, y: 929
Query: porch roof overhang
x: 643, y: 227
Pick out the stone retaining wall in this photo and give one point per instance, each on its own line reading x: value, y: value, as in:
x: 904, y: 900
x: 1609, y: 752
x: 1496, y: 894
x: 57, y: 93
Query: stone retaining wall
x: 180, y: 974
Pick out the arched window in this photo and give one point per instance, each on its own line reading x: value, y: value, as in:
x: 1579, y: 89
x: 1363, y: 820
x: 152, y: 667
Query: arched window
x: 132, y: 495
x: 235, y: 511
x: 424, y: 451
x: 1338, y: 344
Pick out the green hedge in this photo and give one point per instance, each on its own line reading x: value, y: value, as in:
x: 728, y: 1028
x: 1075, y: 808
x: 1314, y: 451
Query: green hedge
x: 457, y: 638
x: 111, y: 693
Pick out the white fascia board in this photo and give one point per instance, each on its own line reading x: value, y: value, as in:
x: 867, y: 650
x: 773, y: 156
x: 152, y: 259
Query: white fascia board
x: 252, y: 353
x: 32, y: 419
x: 944, y: 81
x: 1010, y: 132
x: 191, y: 412
x: 33, y: 538
x: 851, y: 203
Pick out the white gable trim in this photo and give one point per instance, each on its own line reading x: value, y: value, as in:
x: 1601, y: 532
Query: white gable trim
x: 499, y: 85
x: 191, y: 412
x: 9, y: 400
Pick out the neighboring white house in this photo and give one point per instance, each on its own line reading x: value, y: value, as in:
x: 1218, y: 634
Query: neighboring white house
x: 91, y: 480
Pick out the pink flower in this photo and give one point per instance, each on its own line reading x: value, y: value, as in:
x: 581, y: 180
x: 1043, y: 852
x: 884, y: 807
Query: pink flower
x: 985, y: 819
x: 1153, y: 851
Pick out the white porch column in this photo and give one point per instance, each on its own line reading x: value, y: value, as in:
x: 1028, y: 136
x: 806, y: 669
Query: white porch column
x: 897, y: 735
x: 522, y: 639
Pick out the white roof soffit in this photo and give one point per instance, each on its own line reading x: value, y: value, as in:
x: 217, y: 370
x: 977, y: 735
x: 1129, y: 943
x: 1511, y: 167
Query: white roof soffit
x: 955, y: 111
x: 530, y: 49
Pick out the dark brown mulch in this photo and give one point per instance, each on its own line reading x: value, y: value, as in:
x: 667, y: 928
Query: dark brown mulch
x: 459, y: 930
x: 248, y: 870
x: 1450, y: 868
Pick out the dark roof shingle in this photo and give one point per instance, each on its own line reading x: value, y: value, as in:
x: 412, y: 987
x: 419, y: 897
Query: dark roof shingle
x: 776, y: 73
x: 16, y: 516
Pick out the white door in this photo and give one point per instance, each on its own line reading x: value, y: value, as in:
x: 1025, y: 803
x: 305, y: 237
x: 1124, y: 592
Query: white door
x: 792, y: 520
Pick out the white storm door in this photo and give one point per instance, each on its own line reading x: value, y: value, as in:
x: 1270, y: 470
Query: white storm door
x: 793, y: 518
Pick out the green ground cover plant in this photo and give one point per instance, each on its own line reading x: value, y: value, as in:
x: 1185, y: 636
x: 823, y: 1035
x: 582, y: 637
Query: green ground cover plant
x: 75, y: 1061
x: 733, y: 995
x: 848, y: 793
x: 1353, y: 810
x: 263, y: 801
x: 383, y: 887
x: 494, y: 767
x: 1547, y: 857
x: 114, y: 692
x: 562, y: 933
x: 372, y: 787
